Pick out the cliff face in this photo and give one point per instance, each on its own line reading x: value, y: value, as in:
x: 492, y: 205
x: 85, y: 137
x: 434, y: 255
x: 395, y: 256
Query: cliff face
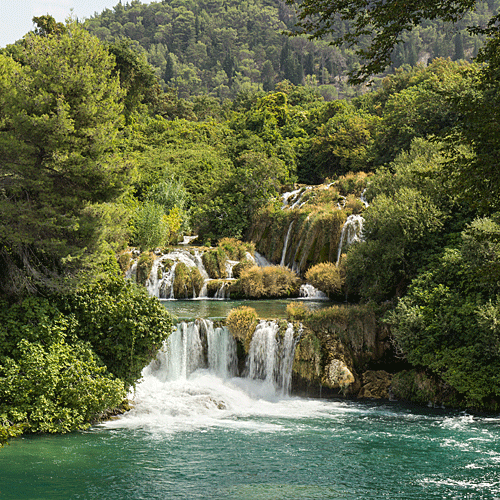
x: 344, y: 350
x: 307, y: 228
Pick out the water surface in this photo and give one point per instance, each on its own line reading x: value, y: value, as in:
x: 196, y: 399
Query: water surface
x: 219, y: 309
x: 204, y: 438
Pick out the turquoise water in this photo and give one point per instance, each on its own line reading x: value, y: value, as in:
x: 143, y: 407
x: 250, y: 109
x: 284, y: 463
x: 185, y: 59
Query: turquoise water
x: 196, y: 432
x: 216, y: 309
x: 312, y: 450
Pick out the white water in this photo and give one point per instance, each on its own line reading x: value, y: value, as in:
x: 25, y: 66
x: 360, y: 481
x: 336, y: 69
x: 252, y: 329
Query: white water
x: 192, y: 383
x: 261, y: 261
x: 163, y: 287
x: 285, y: 244
x: 352, y: 231
x: 307, y: 291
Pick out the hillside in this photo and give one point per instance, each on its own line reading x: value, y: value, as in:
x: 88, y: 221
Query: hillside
x: 224, y: 47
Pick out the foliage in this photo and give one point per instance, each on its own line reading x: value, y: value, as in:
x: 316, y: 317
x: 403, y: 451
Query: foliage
x: 343, y: 144
x: 236, y: 249
x: 50, y: 380
x: 60, y: 116
x: 187, y: 281
x: 267, y: 282
x: 415, y: 102
x: 241, y: 322
x: 124, y: 326
x: 151, y: 226
x: 479, y: 105
x: 325, y: 277
x: 297, y: 311
x: 403, y: 223
x: 448, y: 321
x: 222, y: 50
x: 215, y: 263
x: 144, y: 266
x: 375, y: 30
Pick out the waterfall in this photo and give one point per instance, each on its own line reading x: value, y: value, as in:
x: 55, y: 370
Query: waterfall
x: 270, y: 358
x: 192, y: 346
x: 286, y: 359
x: 285, y: 244
x: 132, y: 271
x: 222, y: 291
x: 291, y: 195
x: 363, y: 199
x: 163, y: 287
x: 229, y: 268
x: 307, y: 291
x: 261, y: 261
x: 200, y: 345
x: 351, y: 231
x: 293, y: 199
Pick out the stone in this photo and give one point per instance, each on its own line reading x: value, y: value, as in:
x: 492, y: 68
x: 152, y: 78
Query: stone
x: 375, y: 384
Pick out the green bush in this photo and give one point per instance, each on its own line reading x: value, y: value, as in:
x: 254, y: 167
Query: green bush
x: 123, y: 324
x: 236, y: 249
x: 50, y: 380
x: 297, y: 311
x: 325, y: 277
x: 144, y: 266
x: 242, y: 265
x: 215, y: 263
x: 267, y: 282
x: 187, y: 281
x: 151, y: 228
x: 242, y: 322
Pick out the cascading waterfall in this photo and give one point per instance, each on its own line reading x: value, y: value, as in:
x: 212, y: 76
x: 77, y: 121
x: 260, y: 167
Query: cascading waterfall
x: 194, y: 345
x: 270, y: 358
x: 162, y: 287
x: 132, y: 271
x: 307, y: 291
x: 261, y: 261
x: 352, y: 231
x: 198, y: 364
x: 285, y: 244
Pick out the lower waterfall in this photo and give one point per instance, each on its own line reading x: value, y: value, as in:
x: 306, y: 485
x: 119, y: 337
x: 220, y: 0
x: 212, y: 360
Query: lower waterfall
x: 195, y: 379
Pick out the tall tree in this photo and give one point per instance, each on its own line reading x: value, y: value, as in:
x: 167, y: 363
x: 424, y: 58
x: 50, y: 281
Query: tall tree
x: 60, y: 113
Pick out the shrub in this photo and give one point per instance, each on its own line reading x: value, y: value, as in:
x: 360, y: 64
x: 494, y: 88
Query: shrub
x: 268, y: 282
x: 242, y: 322
x: 236, y: 249
x: 144, y: 266
x: 150, y: 226
x: 215, y: 263
x: 325, y: 277
x: 50, y: 380
x: 187, y: 281
x: 243, y: 265
x: 297, y: 311
x: 124, y: 325
x: 125, y: 261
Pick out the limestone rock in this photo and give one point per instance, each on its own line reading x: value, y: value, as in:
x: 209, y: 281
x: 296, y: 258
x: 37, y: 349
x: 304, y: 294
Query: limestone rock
x: 338, y: 375
x: 375, y: 384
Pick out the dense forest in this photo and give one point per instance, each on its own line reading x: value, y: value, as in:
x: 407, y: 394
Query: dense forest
x: 221, y: 47
x: 102, y: 152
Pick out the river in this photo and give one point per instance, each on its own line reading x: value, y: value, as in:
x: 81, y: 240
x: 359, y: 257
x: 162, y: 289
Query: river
x: 201, y: 433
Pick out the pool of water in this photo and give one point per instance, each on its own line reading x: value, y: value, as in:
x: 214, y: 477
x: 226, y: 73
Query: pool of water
x: 218, y: 309
x: 198, y: 432
x: 264, y: 449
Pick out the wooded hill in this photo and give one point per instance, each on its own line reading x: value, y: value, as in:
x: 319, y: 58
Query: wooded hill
x: 222, y: 47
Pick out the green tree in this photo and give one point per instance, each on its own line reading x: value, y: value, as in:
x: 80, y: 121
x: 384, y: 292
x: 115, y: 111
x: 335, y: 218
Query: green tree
x: 61, y: 114
x: 385, y: 22
x: 476, y: 164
